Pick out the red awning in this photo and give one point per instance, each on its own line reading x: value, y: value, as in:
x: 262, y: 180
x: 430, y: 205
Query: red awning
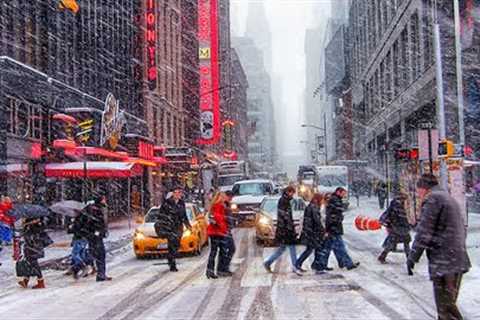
x: 160, y: 160
x: 94, y: 151
x: 95, y: 170
x: 14, y: 169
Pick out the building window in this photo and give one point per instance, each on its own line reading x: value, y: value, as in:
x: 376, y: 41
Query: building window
x: 415, y: 41
x: 427, y: 24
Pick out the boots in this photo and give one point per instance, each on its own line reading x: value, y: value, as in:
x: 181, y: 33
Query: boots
x: 40, y: 284
x: 381, y: 258
x: 23, y: 283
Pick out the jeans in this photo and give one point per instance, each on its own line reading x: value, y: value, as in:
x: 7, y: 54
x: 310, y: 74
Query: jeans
x: 227, y: 256
x: 446, y: 291
x: 336, y: 244
x: 98, y: 251
x: 304, y: 256
x: 278, y: 253
x: 216, y: 245
x: 80, y: 255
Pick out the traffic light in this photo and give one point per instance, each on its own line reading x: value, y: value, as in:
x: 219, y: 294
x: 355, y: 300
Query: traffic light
x: 446, y: 149
x: 406, y: 154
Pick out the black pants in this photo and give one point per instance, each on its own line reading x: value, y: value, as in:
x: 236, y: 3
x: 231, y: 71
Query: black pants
x: 97, y: 248
x: 35, y: 270
x: 229, y: 249
x: 216, y: 245
x: 381, y: 202
x: 446, y: 291
x: 173, y: 245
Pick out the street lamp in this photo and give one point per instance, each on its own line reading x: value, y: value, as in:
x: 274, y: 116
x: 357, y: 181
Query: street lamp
x: 324, y: 129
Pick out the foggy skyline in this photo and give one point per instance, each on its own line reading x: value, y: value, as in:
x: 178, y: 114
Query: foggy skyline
x: 288, y: 21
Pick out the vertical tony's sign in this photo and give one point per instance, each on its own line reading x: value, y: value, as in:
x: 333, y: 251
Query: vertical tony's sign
x: 151, y: 43
x: 209, y: 72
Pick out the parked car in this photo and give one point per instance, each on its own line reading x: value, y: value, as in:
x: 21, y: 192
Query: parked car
x: 266, y: 218
x: 147, y: 243
x: 248, y: 195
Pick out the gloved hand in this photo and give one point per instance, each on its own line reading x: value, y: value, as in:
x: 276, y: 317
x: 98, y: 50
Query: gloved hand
x: 410, y: 266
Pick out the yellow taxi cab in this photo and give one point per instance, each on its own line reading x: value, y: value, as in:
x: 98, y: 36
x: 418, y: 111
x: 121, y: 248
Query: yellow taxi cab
x: 146, y: 242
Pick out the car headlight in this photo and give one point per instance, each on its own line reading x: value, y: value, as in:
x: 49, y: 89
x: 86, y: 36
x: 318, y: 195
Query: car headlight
x: 139, y: 236
x: 303, y: 189
x: 264, y: 220
x: 234, y: 206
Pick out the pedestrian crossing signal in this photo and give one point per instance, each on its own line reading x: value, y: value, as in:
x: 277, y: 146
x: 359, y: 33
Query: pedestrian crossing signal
x: 446, y: 149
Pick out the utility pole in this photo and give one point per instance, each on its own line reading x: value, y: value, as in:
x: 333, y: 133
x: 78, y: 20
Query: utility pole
x: 440, y: 95
x: 458, y: 56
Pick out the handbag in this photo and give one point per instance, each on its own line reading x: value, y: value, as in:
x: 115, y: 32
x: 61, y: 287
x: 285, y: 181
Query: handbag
x: 46, y: 240
x: 23, y: 268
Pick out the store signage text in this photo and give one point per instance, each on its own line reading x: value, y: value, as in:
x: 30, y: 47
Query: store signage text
x: 228, y: 127
x: 209, y: 72
x: 151, y: 47
x: 112, y: 123
x: 145, y: 150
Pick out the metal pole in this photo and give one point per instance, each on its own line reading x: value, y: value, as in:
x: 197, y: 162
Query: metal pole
x: 84, y: 175
x: 440, y: 97
x: 129, y: 204
x: 325, y: 137
x: 430, y: 149
x: 458, y: 55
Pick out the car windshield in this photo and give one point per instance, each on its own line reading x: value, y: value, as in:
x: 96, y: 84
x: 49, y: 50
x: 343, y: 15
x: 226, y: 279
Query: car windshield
x: 252, y: 189
x: 228, y: 180
x: 152, y: 215
x: 270, y: 206
x: 331, y: 180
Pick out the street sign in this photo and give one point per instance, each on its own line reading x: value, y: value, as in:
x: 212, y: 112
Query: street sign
x: 423, y: 144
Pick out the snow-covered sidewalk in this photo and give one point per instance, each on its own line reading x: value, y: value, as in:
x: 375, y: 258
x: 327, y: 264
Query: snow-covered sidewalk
x: 120, y: 232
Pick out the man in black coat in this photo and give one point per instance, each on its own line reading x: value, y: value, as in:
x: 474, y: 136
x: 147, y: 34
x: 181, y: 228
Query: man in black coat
x: 442, y: 233
x: 285, y: 234
x: 171, y: 219
x: 334, y: 229
x: 97, y: 227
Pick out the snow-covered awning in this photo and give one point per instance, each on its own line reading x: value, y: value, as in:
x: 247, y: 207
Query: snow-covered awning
x: 94, y: 170
x: 14, y: 169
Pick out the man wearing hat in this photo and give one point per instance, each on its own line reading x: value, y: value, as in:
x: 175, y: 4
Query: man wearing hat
x: 171, y: 219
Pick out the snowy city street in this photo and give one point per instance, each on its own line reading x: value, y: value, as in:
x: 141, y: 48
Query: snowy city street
x: 144, y: 289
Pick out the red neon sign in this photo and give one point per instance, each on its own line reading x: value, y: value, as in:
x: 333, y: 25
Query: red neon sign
x: 145, y: 150
x: 151, y: 47
x: 209, y: 72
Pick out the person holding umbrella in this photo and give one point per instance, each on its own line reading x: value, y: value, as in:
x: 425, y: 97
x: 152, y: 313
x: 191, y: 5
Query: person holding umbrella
x: 36, y: 240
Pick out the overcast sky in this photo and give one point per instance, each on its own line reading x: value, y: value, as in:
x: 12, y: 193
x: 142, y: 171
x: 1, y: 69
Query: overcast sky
x: 288, y: 21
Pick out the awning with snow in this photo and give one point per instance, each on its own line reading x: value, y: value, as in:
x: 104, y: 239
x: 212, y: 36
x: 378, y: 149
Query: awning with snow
x: 14, y: 169
x: 94, y: 170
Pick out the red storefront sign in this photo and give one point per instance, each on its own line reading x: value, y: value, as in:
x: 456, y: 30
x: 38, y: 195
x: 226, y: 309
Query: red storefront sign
x: 145, y: 150
x: 151, y: 44
x: 209, y: 72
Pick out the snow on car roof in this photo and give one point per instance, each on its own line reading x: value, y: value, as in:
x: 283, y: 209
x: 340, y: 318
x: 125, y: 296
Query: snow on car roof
x: 254, y: 181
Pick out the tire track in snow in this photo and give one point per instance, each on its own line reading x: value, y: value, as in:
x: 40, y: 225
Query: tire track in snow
x: 230, y: 308
x: 417, y: 300
x: 140, y: 301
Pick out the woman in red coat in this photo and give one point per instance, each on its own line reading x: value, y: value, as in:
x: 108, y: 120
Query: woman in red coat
x: 217, y: 230
x: 6, y: 222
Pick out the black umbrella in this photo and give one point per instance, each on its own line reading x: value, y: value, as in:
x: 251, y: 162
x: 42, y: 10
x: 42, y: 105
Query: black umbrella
x: 29, y: 211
